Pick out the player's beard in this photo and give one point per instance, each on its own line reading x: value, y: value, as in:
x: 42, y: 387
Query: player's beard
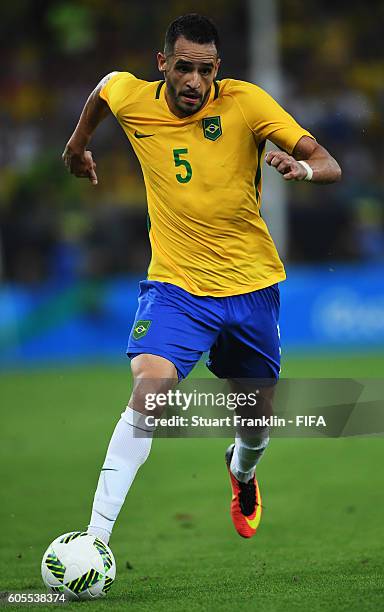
x: 184, y: 108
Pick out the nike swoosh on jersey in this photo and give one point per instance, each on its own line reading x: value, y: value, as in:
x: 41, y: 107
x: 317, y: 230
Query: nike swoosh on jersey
x: 138, y: 135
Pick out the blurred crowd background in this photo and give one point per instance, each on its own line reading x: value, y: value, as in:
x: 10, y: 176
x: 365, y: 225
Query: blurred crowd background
x: 53, y: 226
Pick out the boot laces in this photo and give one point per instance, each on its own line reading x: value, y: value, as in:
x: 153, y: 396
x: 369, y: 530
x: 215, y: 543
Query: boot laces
x: 247, y: 497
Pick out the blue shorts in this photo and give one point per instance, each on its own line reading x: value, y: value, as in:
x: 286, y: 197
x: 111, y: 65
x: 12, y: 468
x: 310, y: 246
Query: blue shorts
x: 241, y: 332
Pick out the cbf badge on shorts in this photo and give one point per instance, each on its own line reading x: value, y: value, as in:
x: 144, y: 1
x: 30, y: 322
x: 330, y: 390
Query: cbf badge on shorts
x: 212, y: 128
x: 140, y: 329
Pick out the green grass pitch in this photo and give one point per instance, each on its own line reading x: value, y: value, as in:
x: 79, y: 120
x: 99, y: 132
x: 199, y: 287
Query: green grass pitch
x: 319, y: 547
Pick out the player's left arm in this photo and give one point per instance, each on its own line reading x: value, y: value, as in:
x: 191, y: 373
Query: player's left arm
x: 322, y: 165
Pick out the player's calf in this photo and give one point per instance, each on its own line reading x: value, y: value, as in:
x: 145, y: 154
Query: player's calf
x: 130, y: 443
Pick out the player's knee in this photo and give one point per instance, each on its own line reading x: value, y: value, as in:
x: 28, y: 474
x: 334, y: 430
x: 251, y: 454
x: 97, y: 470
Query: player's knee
x: 152, y: 376
x: 145, y: 396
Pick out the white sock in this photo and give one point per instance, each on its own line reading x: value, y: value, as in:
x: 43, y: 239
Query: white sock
x: 127, y: 451
x: 247, y: 453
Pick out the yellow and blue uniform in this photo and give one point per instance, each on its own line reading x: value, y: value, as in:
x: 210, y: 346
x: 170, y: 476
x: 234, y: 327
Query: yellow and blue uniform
x: 203, y: 180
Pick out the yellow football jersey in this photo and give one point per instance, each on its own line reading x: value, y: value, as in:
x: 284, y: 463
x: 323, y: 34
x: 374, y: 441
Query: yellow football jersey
x: 203, y: 180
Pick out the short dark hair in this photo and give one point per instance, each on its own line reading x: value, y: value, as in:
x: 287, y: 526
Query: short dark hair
x: 193, y: 27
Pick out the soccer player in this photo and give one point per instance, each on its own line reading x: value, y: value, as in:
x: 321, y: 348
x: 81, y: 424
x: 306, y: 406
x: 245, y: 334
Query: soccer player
x: 213, y: 278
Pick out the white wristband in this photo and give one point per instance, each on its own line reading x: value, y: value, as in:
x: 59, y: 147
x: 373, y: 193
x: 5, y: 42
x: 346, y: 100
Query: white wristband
x: 308, y: 169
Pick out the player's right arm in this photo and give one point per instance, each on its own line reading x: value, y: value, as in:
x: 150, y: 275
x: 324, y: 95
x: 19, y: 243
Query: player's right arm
x: 76, y: 157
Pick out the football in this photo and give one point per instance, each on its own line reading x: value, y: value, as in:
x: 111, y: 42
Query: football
x: 79, y: 565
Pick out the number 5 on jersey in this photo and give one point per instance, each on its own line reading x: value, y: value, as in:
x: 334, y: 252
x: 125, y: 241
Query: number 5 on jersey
x: 182, y: 178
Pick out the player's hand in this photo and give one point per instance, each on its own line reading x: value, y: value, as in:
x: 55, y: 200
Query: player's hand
x: 286, y: 165
x: 80, y: 164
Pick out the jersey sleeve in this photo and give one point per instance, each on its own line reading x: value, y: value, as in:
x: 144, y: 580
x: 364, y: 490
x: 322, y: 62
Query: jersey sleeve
x: 266, y: 118
x: 116, y: 91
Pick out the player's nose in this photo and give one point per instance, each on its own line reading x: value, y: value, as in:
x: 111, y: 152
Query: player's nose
x: 194, y: 80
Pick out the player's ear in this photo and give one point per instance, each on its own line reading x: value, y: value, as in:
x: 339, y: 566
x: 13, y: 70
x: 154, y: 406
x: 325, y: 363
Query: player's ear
x: 218, y: 62
x: 161, y: 61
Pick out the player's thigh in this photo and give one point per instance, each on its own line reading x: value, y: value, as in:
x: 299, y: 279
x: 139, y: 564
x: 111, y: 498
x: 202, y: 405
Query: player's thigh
x: 152, y: 366
x: 173, y: 324
x: 250, y: 347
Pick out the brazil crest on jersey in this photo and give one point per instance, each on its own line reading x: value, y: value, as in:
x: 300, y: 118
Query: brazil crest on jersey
x: 203, y: 180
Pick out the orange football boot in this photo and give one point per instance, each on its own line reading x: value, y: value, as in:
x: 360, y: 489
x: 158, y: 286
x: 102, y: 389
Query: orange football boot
x: 245, y: 503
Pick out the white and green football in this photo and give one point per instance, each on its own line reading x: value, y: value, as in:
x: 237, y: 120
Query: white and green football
x: 79, y: 565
